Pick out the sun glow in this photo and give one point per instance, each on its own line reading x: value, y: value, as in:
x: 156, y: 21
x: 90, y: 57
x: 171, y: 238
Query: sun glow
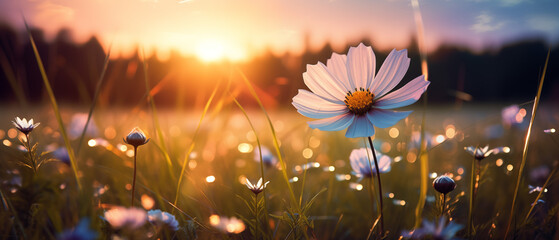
x: 213, y: 50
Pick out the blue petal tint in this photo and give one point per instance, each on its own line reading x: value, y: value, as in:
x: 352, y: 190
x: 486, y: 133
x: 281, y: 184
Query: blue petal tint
x: 386, y: 118
x: 361, y: 127
x: 336, y: 123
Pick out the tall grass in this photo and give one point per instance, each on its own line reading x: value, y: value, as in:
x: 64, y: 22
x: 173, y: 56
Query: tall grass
x: 71, y: 155
x: 526, y: 144
x: 94, y: 101
x: 192, y: 144
x: 155, y: 117
x: 423, y: 155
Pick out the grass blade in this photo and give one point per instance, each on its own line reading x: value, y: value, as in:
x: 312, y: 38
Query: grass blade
x: 526, y: 144
x: 11, y: 77
x: 276, y: 143
x: 423, y: 156
x: 187, y: 157
x: 553, y: 172
x: 156, y: 124
x: 260, y: 153
x: 55, y: 108
x: 95, y: 96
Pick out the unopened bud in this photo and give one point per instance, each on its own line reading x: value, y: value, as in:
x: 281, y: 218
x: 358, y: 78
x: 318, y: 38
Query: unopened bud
x: 444, y: 184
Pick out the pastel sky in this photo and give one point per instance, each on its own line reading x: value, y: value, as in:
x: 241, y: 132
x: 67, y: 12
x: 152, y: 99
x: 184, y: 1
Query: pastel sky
x: 236, y: 29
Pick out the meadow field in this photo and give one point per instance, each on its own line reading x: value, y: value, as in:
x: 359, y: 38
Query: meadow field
x: 220, y: 151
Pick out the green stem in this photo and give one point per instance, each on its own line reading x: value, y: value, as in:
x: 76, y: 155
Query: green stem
x: 28, y: 146
x: 379, y: 186
x: 134, y: 179
x: 256, y: 215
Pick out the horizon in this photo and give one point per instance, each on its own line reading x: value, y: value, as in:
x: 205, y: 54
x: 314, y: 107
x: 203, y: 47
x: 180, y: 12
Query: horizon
x: 215, y: 30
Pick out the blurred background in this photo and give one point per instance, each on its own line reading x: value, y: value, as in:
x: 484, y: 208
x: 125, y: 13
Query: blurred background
x: 478, y: 51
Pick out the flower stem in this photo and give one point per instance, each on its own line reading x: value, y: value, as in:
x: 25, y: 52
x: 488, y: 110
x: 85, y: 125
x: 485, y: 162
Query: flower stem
x: 379, y: 186
x: 256, y: 215
x: 28, y: 146
x: 134, y: 179
x: 372, y: 194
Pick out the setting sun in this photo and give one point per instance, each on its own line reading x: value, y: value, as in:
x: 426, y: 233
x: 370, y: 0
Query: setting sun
x: 213, y: 50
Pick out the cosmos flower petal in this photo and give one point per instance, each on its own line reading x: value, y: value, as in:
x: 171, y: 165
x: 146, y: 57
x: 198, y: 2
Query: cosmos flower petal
x: 359, y: 160
x: 336, y: 123
x: 391, y: 72
x: 311, y: 105
x: 384, y: 163
x: 404, y: 96
x: 361, y: 66
x: 337, y: 66
x: 386, y: 118
x: 361, y: 127
x: 321, y: 82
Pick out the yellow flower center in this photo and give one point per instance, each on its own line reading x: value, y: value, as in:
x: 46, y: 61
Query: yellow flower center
x: 359, y: 102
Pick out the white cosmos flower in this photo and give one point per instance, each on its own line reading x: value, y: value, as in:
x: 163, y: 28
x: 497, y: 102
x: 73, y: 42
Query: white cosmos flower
x: 346, y: 92
x: 258, y: 187
x: 359, y: 160
x: 24, y: 126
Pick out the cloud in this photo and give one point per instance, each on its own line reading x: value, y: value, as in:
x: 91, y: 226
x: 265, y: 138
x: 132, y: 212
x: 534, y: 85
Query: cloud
x: 548, y: 24
x: 485, y: 23
x: 53, y: 13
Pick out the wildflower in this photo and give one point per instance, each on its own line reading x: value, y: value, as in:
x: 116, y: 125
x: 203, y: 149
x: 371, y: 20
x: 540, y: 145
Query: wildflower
x: 536, y: 189
x: 359, y: 160
x: 444, y: 184
x: 258, y: 188
x: 121, y: 217
x: 267, y: 157
x: 80, y: 232
x: 346, y: 93
x: 481, y: 153
x: 24, y: 126
x: 227, y: 225
x: 439, y: 231
x: 159, y: 218
x: 136, y: 137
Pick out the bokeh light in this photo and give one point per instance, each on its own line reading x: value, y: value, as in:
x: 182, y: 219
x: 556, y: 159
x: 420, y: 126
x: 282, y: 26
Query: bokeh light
x: 210, y: 179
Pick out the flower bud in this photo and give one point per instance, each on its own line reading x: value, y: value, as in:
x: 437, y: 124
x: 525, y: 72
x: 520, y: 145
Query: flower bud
x: 444, y: 184
x: 136, y: 137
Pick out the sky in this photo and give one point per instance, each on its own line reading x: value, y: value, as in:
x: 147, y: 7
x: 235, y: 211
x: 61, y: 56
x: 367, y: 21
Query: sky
x: 238, y: 29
